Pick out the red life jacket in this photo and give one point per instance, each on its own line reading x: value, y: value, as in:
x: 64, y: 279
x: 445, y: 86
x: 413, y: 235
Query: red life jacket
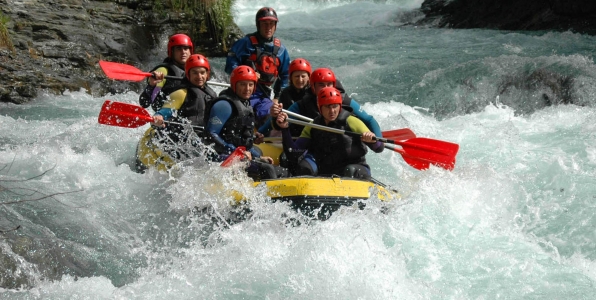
x: 265, y: 62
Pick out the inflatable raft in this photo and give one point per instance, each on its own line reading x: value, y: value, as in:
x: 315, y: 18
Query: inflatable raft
x: 149, y: 155
x: 309, y: 193
x: 324, y: 195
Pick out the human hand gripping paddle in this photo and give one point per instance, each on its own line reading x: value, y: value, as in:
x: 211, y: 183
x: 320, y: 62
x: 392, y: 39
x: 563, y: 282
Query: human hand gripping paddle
x: 118, y: 71
x: 419, y: 153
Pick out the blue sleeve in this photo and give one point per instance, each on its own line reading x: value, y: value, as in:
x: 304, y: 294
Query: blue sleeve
x: 220, y: 113
x: 368, y: 120
x: 239, y: 52
x: 261, y: 105
x: 254, y: 152
x: 267, y: 127
x: 284, y: 68
x: 166, y: 113
x: 295, y: 108
x: 377, y: 147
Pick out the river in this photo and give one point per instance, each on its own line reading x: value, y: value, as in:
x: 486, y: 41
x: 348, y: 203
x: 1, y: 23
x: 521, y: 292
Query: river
x: 514, y: 219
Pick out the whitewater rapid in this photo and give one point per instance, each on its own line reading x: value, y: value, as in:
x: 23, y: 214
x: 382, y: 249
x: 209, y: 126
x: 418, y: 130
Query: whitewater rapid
x: 514, y: 219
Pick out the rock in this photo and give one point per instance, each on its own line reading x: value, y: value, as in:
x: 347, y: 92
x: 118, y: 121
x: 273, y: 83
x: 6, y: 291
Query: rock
x: 58, y: 43
x: 561, y: 15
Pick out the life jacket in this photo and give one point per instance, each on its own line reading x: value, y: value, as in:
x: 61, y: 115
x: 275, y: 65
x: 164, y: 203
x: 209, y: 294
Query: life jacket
x: 333, y: 151
x: 264, y: 62
x: 290, y: 95
x: 239, y: 128
x: 195, y: 104
x: 170, y: 86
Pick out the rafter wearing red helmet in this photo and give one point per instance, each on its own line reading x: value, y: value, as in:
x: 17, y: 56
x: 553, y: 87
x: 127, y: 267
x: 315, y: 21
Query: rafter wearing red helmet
x: 307, y: 106
x: 331, y: 153
x: 185, y: 105
x: 231, y: 122
x: 299, y: 88
x: 180, y: 48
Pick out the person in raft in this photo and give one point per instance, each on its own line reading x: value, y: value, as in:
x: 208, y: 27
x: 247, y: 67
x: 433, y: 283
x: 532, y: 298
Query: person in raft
x: 187, y: 104
x: 298, y: 89
x: 307, y: 106
x: 331, y: 153
x: 231, y: 123
x: 180, y: 48
x: 268, y: 56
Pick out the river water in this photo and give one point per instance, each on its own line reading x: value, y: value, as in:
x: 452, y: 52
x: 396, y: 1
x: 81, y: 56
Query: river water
x: 514, y: 219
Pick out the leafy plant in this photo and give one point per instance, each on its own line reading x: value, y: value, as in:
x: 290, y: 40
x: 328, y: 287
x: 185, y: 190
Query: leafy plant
x: 212, y: 17
x: 221, y: 18
x: 5, y: 40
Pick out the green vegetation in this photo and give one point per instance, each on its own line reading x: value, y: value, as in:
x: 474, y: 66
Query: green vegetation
x: 220, y: 19
x: 212, y: 18
x: 5, y: 40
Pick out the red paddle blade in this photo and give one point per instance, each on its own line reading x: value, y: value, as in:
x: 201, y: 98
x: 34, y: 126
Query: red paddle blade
x: 399, y: 134
x: 430, y: 146
x: 436, y: 152
x: 119, y: 71
x: 235, y: 156
x: 416, y: 163
x: 123, y: 115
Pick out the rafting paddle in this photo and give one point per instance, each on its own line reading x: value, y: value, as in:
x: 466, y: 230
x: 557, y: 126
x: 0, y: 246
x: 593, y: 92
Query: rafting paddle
x: 396, y: 134
x: 399, y: 134
x: 118, y: 71
x: 417, y: 152
x: 127, y: 115
x: 420, y: 163
x: 236, y: 155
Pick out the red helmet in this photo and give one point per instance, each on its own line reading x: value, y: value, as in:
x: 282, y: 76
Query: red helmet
x: 300, y: 64
x: 329, y: 95
x: 242, y: 73
x: 321, y: 75
x: 179, y: 39
x: 265, y: 13
x: 196, y: 60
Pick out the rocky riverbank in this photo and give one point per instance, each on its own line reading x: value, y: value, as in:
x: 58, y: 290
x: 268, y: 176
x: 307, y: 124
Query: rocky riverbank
x: 560, y: 15
x: 55, y: 45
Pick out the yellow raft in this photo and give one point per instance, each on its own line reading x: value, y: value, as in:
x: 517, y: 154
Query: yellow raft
x: 150, y: 155
x: 303, y: 191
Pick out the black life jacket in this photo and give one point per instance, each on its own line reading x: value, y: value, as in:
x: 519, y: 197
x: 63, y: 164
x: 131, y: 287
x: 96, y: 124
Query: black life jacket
x: 264, y: 62
x: 195, y: 104
x: 169, y: 87
x: 239, y: 128
x: 290, y: 95
x: 333, y: 151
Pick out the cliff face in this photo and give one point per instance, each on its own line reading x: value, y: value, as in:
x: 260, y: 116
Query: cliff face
x: 561, y: 15
x: 55, y: 45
